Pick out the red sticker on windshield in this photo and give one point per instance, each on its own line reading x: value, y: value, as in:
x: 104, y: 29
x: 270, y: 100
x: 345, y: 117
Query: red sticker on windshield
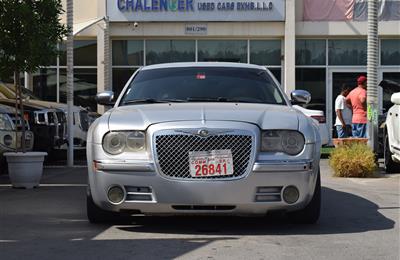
x: 201, y: 76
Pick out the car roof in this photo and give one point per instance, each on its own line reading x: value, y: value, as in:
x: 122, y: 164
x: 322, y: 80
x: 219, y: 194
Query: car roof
x: 203, y: 64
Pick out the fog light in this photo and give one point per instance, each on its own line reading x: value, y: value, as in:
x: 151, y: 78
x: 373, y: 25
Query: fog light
x: 290, y: 194
x: 116, y: 194
x: 7, y: 140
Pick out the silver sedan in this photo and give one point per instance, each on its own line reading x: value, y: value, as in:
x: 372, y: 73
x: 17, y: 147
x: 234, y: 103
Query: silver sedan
x: 203, y: 138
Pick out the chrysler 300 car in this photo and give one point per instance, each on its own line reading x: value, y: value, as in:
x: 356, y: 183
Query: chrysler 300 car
x: 203, y: 138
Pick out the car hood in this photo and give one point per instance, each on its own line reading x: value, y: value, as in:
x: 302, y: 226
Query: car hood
x: 140, y: 117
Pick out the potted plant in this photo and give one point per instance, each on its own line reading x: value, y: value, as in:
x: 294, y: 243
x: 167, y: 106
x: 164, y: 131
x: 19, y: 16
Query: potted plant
x: 30, y: 31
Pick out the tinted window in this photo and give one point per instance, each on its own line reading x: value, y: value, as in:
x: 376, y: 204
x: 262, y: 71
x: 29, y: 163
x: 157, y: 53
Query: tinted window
x: 85, y: 87
x: 347, y: 52
x: 162, y: 51
x: 85, y: 53
x: 242, y: 85
x: 310, y: 52
x: 222, y: 50
x: 390, y: 52
x: 265, y: 52
x: 127, y: 52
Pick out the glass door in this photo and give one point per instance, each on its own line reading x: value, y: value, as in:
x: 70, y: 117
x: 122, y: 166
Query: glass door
x: 337, y: 79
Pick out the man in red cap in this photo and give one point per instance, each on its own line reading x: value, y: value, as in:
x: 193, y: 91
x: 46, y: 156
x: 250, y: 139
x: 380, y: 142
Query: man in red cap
x: 357, y: 99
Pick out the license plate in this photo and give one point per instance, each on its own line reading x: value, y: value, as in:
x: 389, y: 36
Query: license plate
x: 211, y: 163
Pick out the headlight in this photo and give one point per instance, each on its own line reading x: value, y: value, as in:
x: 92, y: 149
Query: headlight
x: 135, y: 141
x: 5, y: 122
x: 287, y: 141
x: 124, y: 141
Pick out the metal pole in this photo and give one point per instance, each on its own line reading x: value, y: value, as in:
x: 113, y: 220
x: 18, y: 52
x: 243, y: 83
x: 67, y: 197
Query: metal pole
x: 70, y: 83
x: 372, y: 75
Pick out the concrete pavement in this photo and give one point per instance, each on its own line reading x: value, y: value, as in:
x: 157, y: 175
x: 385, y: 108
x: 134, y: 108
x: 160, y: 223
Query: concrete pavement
x: 359, y: 220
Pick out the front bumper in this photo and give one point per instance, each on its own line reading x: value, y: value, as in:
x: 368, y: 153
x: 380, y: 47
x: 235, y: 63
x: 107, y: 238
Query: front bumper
x: 149, y: 193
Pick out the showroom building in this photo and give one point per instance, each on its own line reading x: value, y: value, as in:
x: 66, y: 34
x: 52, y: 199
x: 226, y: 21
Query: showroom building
x: 317, y: 45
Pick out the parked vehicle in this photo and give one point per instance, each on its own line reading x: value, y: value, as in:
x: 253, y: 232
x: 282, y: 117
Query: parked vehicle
x: 47, y: 124
x: 389, y: 87
x: 11, y: 134
x: 203, y: 138
x: 82, y: 117
x: 319, y: 116
x: 392, y: 136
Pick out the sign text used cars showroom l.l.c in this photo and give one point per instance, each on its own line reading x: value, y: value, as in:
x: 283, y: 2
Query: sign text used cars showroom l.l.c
x: 196, y: 10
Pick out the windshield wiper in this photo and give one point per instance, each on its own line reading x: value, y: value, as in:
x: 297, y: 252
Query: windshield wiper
x: 151, y: 101
x: 201, y: 99
x: 238, y: 100
x: 218, y: 99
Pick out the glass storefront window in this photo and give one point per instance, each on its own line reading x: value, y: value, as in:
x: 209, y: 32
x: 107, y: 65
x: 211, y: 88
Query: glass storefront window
x: 266, y: 52
x: 347, y: 52
x: 85, y: 53
x: 222, y: 50
x: 277, y: 72
x: 85, y: 87
x: 126, y: 53
x: 120, y: 78
x: 390, y: 52
x: 45, y: 84
x: 313, y: 80
x: 310, y: 52
x: 163, y: 51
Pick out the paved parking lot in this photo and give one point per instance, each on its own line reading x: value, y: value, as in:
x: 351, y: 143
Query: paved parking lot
x: 360, y: 220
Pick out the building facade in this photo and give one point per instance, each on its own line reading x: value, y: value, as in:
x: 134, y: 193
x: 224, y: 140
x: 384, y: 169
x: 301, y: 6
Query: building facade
x: 316, y: 45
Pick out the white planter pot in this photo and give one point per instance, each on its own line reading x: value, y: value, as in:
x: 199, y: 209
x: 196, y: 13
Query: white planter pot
x: 25, y: 169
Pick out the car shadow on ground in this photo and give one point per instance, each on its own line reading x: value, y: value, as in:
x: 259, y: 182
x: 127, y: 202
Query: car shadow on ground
x: 341, y: 212
x: 41, y: 224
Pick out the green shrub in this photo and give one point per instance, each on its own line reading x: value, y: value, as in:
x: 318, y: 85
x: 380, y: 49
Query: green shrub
x: 355, y: 160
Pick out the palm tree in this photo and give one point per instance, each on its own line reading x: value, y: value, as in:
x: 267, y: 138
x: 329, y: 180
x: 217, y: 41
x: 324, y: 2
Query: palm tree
x: 70, y: 82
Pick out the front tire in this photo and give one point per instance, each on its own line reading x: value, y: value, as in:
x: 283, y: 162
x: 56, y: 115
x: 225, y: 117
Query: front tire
x: 97, y: 215
x: 390, y: 165
x: 310, y: 214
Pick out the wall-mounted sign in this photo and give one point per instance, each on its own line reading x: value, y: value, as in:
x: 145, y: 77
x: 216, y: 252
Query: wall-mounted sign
x: 195, y: 10
x: 196, y: 29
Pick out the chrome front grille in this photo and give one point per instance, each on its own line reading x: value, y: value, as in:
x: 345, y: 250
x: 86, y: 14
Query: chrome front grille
x: 62, y: 124
x: 172, y: 152
x: 18, y: 122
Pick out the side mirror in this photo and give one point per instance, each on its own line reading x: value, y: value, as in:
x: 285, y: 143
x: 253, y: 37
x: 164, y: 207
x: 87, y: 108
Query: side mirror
x: 300, y: 97
x: 105, y: 98
x: 395, y: 98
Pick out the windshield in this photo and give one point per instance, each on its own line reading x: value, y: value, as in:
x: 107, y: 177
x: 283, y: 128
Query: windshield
x: 203, y: 84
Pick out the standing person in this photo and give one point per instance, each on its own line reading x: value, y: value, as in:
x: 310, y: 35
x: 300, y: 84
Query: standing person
x: 357, y: 98
x: 343, y: 114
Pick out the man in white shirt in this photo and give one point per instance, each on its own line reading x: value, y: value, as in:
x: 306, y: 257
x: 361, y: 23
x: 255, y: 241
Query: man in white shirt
x: 343, y: 114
